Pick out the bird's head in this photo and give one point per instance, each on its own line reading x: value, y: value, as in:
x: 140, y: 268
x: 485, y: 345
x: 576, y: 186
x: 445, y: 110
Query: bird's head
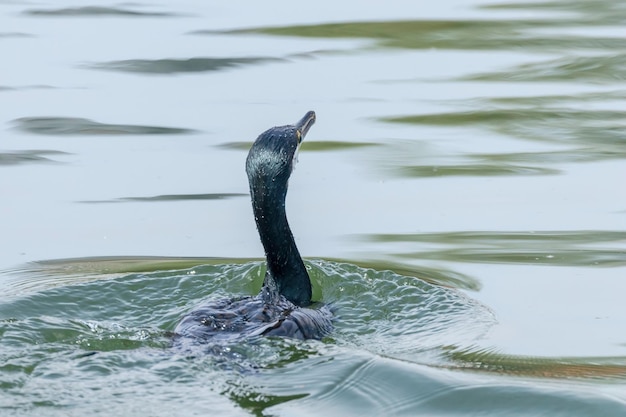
x: 274, y: 153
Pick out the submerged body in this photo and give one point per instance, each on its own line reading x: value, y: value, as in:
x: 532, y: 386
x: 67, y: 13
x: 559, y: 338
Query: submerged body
x: 231, y: 319
x: 283, y: 307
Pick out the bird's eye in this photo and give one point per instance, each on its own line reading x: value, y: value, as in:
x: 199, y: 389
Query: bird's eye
x: 299, y: 135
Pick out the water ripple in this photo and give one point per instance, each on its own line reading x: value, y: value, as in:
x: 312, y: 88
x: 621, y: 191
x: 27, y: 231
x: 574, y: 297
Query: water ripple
x: 596, y: 69
x: 15, y: 35
x: 601, y: 368
x: 169, y: 197
x: 111, y: 335
x: 33, y: 156
x: 95, y: 11
x: 472, y: 34
x: 173, y: 66
x: 557, y: 248
x: 536, y: 119
x: 77, y: 126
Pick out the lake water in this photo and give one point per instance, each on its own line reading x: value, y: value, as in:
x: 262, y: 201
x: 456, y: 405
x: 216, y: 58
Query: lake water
x: 460, y: 201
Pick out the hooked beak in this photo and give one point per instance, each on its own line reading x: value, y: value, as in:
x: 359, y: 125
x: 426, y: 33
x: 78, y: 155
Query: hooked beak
x: 305, y: 124
x: 302, y: 127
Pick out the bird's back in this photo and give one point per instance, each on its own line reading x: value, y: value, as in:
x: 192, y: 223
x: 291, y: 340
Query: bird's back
x: 255, y: 316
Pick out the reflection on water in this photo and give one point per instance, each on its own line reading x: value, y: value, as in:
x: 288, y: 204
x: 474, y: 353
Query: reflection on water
x: 14, y: 35
x: 601, y: 368
x: 172, y: 197
x: 26, y: 87
x: 602, y: 12
x: 95, y: 11
x: 478, y: 34
x: 28, y: 157
x: 472, y: 169
x: 595, y: 69
x: 77, y: 126
x: 173, y: 66
x: 537, y: 123
x: 592, y: 135
x: 562, y: 248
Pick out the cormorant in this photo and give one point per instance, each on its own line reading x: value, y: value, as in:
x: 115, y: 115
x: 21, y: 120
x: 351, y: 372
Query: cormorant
x: 283, y: 307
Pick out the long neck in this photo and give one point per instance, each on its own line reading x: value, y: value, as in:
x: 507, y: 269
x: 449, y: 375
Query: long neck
x: 284, y: 264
